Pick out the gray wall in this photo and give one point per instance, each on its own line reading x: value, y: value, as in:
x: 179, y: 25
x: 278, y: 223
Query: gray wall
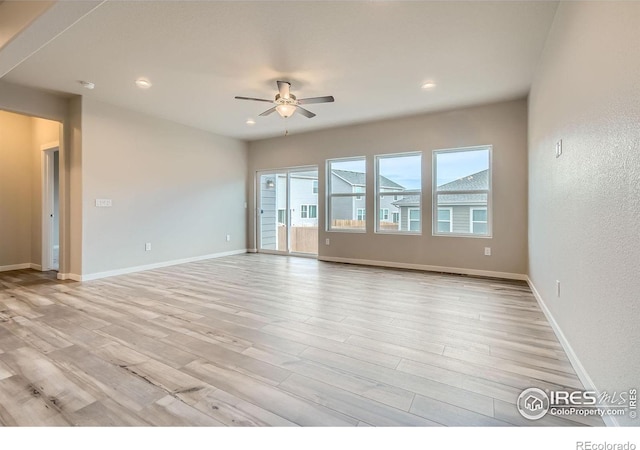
x: 179, y: 188
x: 585, y: 206
x: 21, y: 139
x: 37, y: 103
x: 16, y: 160
x: 504, y: 125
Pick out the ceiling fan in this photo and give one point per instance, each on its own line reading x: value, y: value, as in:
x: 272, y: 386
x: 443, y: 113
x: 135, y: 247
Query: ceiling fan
x: 287, y: 103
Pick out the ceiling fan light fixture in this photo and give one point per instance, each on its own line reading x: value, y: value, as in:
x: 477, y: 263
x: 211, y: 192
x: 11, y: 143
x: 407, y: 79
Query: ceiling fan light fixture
x: 143, y: 83
x: 286, y: 110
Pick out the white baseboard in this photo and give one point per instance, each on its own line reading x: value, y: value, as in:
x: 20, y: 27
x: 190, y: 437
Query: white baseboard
x: 35, y: 266
x: 427, y: 268
x: 252, y: 250
x: 15, y: 267
x: 584, y: 377
x: 111, y: 273
x: 69, y: 276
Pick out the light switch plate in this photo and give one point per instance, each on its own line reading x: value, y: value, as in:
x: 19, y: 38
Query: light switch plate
x: 103, y: 202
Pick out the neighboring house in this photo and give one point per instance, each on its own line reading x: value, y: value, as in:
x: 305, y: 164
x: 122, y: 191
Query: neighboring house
x: 345, y: 181
x: 457, y: 213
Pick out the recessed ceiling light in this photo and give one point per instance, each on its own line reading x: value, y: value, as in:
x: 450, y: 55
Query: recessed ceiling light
x: 143, y: 83
x: 250, y: 122
x: 429, y: 85
x: 87, y: 84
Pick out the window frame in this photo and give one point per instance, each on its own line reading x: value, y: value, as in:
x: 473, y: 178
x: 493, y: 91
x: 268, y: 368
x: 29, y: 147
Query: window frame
x: 329, y: 196
x: 314, y: 186
x: 471, y: 221
x: 409, y: 209
x: 305, y: 208
x: 364, y: 214
x: 448, y: 208
x: 488, y: 192
x: 384, y: 216
x: 379, y: 193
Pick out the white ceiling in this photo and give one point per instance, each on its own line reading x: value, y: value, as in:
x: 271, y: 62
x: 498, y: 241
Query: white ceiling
x: 372, y: 56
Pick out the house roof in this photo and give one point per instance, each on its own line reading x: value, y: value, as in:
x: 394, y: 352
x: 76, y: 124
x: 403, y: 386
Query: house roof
x: 358, y: 179
x: 474, y: 182
x: 408, y: 200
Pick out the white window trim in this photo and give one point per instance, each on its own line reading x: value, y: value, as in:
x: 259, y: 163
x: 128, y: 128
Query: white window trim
x: 388, y: 192
x: 384, y: 212
x: 450, y: 217
x: 315, y: 187
x: 435, y: 192
x: 471, y: 221
x: 306, y: 208
x: 330, y: 196
x: 364, y: 213
x: 409, y: 219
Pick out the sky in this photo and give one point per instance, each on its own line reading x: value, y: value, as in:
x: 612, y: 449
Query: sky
x: 406, y: 170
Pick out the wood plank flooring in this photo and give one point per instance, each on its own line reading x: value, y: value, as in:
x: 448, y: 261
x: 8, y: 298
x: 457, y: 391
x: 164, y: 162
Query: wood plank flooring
x: 262, y: 340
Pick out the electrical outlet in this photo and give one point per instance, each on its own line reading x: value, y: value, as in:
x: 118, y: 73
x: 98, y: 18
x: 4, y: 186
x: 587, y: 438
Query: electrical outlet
x: 487, y: 251
x: 558, y: 288
x: 147, y: 247
x: 103, y: 202
x: 228, y: 238
x: 327, y: 241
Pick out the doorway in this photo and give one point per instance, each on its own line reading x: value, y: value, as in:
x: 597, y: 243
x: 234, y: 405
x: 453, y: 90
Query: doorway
x: 51, y: 207
x: 288, y: 211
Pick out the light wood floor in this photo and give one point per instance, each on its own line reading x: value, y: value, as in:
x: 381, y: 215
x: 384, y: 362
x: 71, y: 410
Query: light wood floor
x: 271, y: 340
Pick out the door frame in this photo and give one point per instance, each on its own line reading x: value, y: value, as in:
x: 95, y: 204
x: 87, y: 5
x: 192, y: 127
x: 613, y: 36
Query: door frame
x: 258, y: 202
x: 48, y: 151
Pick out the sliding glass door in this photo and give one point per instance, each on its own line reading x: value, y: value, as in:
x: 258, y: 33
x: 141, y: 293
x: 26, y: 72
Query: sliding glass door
x: 288, y: 211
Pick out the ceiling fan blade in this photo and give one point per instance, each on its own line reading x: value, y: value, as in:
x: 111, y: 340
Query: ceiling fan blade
x: 283, y: 88
x: 268, y: 111
x: 305, y: 112
x: 255, y: 99
x: 308, y: 101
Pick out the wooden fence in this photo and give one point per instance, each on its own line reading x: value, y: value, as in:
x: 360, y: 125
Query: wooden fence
x: 303, y: 239
x: 350, y: 224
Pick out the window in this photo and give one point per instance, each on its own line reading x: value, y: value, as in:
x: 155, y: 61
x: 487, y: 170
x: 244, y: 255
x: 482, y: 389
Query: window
x: 346, y: 194
x: 399, y: 192
x: 414, y: 219
x: 445, y: 224
x: 462, y: 191
x: 478, y: 218
x: 314, y: 188
x: 282, y: 217
x: 308, y: 211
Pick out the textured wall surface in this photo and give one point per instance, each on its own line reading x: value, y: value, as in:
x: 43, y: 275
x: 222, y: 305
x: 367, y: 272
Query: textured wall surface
x: 503, y: 125
x: 16, y: 160
x: 179, y: 188
x: 584, y: 207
